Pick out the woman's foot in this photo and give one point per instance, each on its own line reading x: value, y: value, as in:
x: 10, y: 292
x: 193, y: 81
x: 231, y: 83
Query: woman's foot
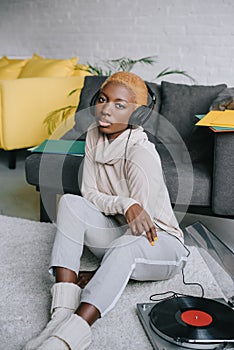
x: 65, y: 301
x: 74, y: 333
x: 84, y: 277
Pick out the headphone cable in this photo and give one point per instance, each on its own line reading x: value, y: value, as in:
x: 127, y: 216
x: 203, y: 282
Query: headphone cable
x: 125, y: 151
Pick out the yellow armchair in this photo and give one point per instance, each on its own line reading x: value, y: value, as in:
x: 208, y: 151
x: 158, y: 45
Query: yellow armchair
x: 26, y: 102
x: 38, y: 88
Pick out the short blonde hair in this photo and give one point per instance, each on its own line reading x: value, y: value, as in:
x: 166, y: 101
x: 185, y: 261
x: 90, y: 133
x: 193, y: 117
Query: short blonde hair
x: 132, y: 82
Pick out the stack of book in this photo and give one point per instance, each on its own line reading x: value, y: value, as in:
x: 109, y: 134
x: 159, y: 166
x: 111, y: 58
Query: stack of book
x: 218, y: 121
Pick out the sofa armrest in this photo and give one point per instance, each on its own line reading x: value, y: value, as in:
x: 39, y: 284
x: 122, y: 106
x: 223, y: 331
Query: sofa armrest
x: 56, y: 173
x: 25, y: 104
x: 223, y: 178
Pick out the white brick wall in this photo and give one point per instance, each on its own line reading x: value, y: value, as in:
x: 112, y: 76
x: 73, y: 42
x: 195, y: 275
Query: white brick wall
x: 192, y: 35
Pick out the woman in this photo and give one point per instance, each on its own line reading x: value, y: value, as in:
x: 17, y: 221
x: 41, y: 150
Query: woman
x: 124, y: 217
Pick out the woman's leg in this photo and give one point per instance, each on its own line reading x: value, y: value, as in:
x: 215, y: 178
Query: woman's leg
x: 65, y: 275
x: 132, y: 257
x: 74, y: 224
x: 73, y: 230
x: 142, y: 262
x: 65, y: 300
x: 84, y: 277
x: 128, y: 257
x: 79, y: 223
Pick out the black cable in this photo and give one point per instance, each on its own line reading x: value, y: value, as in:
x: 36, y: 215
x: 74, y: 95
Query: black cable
x: 125, y: 152
x: 172, y: 293
x: 175, y: 294
x: 193, y: 284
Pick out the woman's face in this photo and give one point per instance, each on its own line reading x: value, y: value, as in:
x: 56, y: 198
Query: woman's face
x: 113, y: 109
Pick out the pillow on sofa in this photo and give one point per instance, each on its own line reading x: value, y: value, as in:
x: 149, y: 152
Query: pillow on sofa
x: 48, y: 67
x: 3, y: 61
x: 224, y: 100
x: 179, y: 105
x: 16, y: 60
x: 12, y: 68
x: 83, y: 117
x: 81, y: 70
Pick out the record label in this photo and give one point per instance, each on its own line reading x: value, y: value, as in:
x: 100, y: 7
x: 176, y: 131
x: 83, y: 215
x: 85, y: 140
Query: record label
x: 196, y: 318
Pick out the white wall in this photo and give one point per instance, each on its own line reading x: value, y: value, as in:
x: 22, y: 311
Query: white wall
x: 192, y: 35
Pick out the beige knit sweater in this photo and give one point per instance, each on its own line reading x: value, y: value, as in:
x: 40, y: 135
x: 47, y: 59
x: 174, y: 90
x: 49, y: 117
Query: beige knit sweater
x: 125, y: 171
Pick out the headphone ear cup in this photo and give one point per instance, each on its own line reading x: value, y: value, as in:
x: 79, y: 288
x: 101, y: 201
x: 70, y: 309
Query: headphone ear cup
x: 143, y: 113
x: 139, y: 116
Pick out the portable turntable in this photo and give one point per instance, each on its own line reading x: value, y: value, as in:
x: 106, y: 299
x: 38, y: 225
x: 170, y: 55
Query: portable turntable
x: 180, y: 322
x: 188, y: 322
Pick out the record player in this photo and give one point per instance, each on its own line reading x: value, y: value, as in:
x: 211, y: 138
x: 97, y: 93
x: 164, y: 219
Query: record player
x: 188, y: 322
x: 180, y: 322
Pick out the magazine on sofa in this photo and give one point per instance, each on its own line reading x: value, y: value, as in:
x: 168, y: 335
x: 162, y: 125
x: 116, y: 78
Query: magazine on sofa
x: 73, y: 147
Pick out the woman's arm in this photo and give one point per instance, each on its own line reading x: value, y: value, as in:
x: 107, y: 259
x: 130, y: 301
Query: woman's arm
x: 145, y: 182
x: 145, y: 179
x: 140, y: 221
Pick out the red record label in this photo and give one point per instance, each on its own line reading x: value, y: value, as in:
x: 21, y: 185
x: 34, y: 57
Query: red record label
x: 196, y: 318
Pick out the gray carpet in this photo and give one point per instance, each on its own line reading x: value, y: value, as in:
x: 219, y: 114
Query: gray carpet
x: 25, y: 290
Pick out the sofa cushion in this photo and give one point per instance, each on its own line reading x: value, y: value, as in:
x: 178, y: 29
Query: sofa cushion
x: 180, y: 103
x: 224, y: 100
x: 191, y: 185
x: 3, y: 61
x: 11, y: 69
x: 91, y: 85
x: 16, y: 60
x: 48, y: 67
x: 83, y: 117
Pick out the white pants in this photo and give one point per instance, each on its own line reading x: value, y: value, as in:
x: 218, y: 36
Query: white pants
x: 123, y: 256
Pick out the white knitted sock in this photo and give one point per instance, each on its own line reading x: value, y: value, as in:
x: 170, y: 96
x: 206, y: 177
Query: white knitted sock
x: 65, y: 301
x: 73, y: 334
x: 54, y: 343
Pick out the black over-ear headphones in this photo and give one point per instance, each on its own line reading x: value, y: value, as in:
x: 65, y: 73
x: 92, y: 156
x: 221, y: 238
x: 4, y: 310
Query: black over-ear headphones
x: 140, y: 115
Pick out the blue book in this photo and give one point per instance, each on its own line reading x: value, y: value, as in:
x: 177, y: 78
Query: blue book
x: 60, y: 147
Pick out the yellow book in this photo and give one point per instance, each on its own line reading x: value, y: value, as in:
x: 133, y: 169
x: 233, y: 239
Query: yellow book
x: 218, y: 118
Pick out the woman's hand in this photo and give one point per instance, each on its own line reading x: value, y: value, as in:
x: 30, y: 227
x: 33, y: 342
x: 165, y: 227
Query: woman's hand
x: 140, y: 221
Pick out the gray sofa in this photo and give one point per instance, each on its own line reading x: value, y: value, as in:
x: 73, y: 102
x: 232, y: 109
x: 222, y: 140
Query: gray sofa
x: 198, y: 164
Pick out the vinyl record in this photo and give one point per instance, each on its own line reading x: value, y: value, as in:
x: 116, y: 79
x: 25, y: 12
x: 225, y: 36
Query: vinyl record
x: 193, y: 319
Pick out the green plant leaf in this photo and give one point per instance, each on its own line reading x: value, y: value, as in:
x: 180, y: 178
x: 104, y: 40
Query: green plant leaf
x: 58, y: 116
x: 148, y: 60
x: 126, y: 64
x: 72, y: 92
x: 108, y: 67
x: 98, y: 70
x: 168, y: 71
